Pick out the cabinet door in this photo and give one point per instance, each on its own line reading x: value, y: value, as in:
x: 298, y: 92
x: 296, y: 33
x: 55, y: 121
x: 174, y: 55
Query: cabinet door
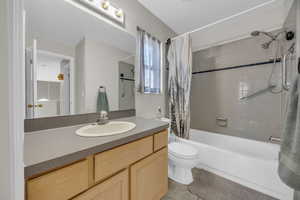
x: 114, y: 188
x: 149, y: 177
x: 61, y: 184
x: 109, y: 162
x: 160, y: 140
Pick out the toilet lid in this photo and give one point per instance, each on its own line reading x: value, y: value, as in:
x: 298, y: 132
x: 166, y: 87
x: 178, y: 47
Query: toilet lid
x: 182, y: 150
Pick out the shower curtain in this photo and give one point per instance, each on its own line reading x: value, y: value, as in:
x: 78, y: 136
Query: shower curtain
x: 289, y: 157
x: 180, y: 74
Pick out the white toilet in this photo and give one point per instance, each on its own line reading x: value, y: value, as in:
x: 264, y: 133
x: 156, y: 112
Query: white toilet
x: 182, y: 158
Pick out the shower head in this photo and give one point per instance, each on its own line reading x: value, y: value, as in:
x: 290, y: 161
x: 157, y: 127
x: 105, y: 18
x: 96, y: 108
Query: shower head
x: 257, y: 33
x: 273, y: 37
x: 267, y: 44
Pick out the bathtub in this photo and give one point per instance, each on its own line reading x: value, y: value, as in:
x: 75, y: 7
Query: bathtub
x: 247, y: 162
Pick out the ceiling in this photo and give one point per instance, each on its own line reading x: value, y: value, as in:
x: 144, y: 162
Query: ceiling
x: 186, y: 15
x: 215, y: 21
x: 63, y: 23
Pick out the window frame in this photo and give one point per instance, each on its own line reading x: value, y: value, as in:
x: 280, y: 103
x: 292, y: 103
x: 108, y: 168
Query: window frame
x: 161, y: 89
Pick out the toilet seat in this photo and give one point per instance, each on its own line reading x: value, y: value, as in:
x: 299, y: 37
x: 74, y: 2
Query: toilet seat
x: 182, y: 150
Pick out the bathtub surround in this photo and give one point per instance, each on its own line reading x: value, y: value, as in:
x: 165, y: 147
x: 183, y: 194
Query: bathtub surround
x: 209, y: 186
x: 215, y: 95
x: 289, y: 158
x: 180, y: 74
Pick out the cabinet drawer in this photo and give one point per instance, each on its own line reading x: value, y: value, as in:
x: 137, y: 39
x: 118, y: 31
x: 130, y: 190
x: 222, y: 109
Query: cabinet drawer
x: 114, y: 188
x: 149, y: 177
x: 112, y: 161
x: 160, y: 140
x: 61, y: 184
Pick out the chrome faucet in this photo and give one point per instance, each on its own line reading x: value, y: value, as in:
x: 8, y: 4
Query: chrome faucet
x: 103, y: 118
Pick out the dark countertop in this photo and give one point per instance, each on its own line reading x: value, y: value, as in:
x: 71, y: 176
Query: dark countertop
x: 49, y: 149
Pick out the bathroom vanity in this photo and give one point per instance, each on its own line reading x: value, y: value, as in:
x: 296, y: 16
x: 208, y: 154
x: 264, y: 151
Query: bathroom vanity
x: 61, y: 165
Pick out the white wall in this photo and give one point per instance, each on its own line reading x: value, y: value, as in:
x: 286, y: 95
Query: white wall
x: 50, y: 45
x: 4, y: 135
x: 100, y: 67
x: 48, y: 67
x: 79, y: 77
x: 137, y: 15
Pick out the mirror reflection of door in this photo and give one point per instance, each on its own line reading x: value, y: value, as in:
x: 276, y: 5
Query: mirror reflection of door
x: 30, y: 80
x: 126, y: 86
x: 48, y: 83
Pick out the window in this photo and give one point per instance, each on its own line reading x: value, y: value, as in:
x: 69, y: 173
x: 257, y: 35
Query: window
x: 149, y: 50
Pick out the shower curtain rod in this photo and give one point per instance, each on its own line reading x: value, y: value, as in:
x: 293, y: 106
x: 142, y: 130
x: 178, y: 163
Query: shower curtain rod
x: 238, y: 66
x: 224, y: 19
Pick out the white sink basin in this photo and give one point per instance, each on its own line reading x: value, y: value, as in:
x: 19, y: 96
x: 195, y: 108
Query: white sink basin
x: 111, y: 128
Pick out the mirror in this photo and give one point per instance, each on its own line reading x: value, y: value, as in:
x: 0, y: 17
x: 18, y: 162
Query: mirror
x: 69, y: 67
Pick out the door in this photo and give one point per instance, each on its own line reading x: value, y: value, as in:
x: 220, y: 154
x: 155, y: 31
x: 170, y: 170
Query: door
x: 30, y: 80
x: 47, y: 84
x: 149, y: 177
x: 114, y: 188
x: 65, y: 104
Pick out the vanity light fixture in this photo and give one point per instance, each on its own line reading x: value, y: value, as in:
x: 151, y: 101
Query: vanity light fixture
x: 101, y: 8
x: 119, y: 12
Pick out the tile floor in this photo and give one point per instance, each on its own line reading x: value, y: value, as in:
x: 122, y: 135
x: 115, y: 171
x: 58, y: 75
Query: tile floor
x: 208, y: 186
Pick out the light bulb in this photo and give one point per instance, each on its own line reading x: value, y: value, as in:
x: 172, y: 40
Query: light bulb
x: 119, y: 12
x: 105, y: 5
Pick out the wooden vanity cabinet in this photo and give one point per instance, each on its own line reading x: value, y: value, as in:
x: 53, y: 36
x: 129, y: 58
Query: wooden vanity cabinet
x: 114, y: 188
x: 134, y: 171
x: 160, y: 140
x: 60, y: 184
x: 109, y: 162
x: 149, y: 177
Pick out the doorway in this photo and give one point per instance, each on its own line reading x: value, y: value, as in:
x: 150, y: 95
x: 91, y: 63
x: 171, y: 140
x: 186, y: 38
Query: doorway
x: 48, y: 84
